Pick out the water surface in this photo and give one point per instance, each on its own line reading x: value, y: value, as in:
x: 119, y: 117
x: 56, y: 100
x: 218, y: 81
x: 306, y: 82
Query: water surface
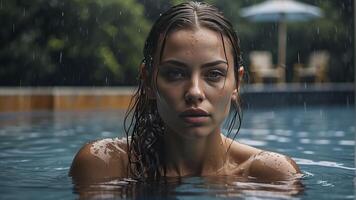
x: 37, y: 148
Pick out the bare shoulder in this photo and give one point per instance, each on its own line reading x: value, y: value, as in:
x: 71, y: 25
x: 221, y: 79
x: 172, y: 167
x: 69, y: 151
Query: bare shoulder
x: 240, y: 152
x: 270, y: 166
x: 102, y: 159
x: 263, y: 165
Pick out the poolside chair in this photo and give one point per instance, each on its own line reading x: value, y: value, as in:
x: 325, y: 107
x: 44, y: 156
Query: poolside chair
x: 316, y: 69
x: 262, y: 68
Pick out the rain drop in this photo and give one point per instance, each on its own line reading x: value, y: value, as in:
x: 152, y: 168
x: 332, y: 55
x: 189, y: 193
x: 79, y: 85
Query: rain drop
x: 305, y: 106
x: 60, y: 57
x: 24, y: 12
x: 62, y: 13
x: 13, y: 28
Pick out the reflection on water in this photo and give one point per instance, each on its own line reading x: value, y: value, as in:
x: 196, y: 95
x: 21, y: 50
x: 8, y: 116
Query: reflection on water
x: 198, y: 187
x: 37, y: 148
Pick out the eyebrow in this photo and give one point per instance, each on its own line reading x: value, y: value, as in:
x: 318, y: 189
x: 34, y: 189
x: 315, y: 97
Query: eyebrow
x: 179, y: 63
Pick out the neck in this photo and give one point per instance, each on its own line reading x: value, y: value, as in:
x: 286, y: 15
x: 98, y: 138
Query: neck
x: 194, y: 156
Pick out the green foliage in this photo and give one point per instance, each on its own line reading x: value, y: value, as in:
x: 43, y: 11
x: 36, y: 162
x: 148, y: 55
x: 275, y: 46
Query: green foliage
x: 71, y: 42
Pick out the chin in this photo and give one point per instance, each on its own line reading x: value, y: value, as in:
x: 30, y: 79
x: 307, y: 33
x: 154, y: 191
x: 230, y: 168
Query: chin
x: 196, y: 133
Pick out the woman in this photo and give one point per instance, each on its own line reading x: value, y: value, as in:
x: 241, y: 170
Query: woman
x: 189, y: 80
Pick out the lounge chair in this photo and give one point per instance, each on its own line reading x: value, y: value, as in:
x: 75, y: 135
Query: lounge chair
x: 316, y: 69
x: 262, y: 68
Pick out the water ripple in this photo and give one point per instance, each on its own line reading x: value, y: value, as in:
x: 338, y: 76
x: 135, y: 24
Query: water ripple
x: 302, y: 161
x: 347, y: 142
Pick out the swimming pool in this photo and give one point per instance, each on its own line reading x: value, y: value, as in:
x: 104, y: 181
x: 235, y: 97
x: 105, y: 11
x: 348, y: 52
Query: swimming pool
x: 36, y: 150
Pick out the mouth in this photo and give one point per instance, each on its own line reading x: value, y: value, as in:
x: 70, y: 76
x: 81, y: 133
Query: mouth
x: 195, y: 116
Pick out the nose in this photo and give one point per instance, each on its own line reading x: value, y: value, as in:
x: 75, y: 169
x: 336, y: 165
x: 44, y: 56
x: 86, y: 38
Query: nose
x: 194, y: 93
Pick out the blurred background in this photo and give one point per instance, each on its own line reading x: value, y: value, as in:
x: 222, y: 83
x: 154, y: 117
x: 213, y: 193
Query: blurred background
x: 68, y: 69
x: 99, y: 42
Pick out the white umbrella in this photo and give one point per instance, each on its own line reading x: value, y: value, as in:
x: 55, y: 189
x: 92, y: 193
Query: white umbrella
x: 281, y: 11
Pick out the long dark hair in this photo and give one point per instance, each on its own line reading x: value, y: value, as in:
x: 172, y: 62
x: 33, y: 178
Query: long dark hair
x: 143, y: 126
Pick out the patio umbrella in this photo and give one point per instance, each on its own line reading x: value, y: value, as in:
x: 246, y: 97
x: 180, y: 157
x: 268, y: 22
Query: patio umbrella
x: 281, y: 11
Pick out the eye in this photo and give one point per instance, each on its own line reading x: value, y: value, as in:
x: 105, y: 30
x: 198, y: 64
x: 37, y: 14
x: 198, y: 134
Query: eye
x: 215, y: 75
x: 173, y: 74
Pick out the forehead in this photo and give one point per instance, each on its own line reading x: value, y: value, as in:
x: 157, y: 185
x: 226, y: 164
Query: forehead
x: 185, y: 37
x: 195, y: 42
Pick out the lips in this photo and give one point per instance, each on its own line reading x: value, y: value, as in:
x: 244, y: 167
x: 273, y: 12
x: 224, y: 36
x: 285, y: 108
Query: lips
x: 195, y: 116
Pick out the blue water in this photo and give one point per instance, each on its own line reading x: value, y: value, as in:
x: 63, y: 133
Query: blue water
x: 37, y: 148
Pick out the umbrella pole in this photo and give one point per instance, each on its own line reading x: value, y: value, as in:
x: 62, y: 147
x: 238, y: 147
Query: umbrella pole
x: 282, y: 43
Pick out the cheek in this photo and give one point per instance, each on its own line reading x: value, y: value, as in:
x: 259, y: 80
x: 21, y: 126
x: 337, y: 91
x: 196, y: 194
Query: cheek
x: 167, y: 95
x: 221, y: 100
x: 223, y: 103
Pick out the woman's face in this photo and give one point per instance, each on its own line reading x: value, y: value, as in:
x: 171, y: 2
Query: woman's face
x: 195, y: 82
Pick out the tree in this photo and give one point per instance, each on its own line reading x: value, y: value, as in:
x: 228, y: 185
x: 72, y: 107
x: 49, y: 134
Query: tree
x: 71, y: 42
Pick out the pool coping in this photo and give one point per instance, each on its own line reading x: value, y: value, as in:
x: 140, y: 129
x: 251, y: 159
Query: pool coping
x: 252, y: 95
x: 257, y: 96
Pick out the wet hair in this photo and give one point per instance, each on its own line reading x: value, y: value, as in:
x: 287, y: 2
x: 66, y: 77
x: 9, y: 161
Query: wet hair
x: 144, y: 127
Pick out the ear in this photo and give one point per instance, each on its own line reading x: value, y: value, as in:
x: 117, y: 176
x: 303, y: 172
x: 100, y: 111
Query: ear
x: 235, y: 93
x: 241, y: 75
x: 146, y: 82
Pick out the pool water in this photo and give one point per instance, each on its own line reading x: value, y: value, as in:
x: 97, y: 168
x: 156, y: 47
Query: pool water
x: 37, y: 148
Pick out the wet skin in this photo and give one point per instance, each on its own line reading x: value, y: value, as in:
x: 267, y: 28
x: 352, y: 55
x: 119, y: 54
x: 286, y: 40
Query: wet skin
x: 195, y: 75
x: 194, y: 84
